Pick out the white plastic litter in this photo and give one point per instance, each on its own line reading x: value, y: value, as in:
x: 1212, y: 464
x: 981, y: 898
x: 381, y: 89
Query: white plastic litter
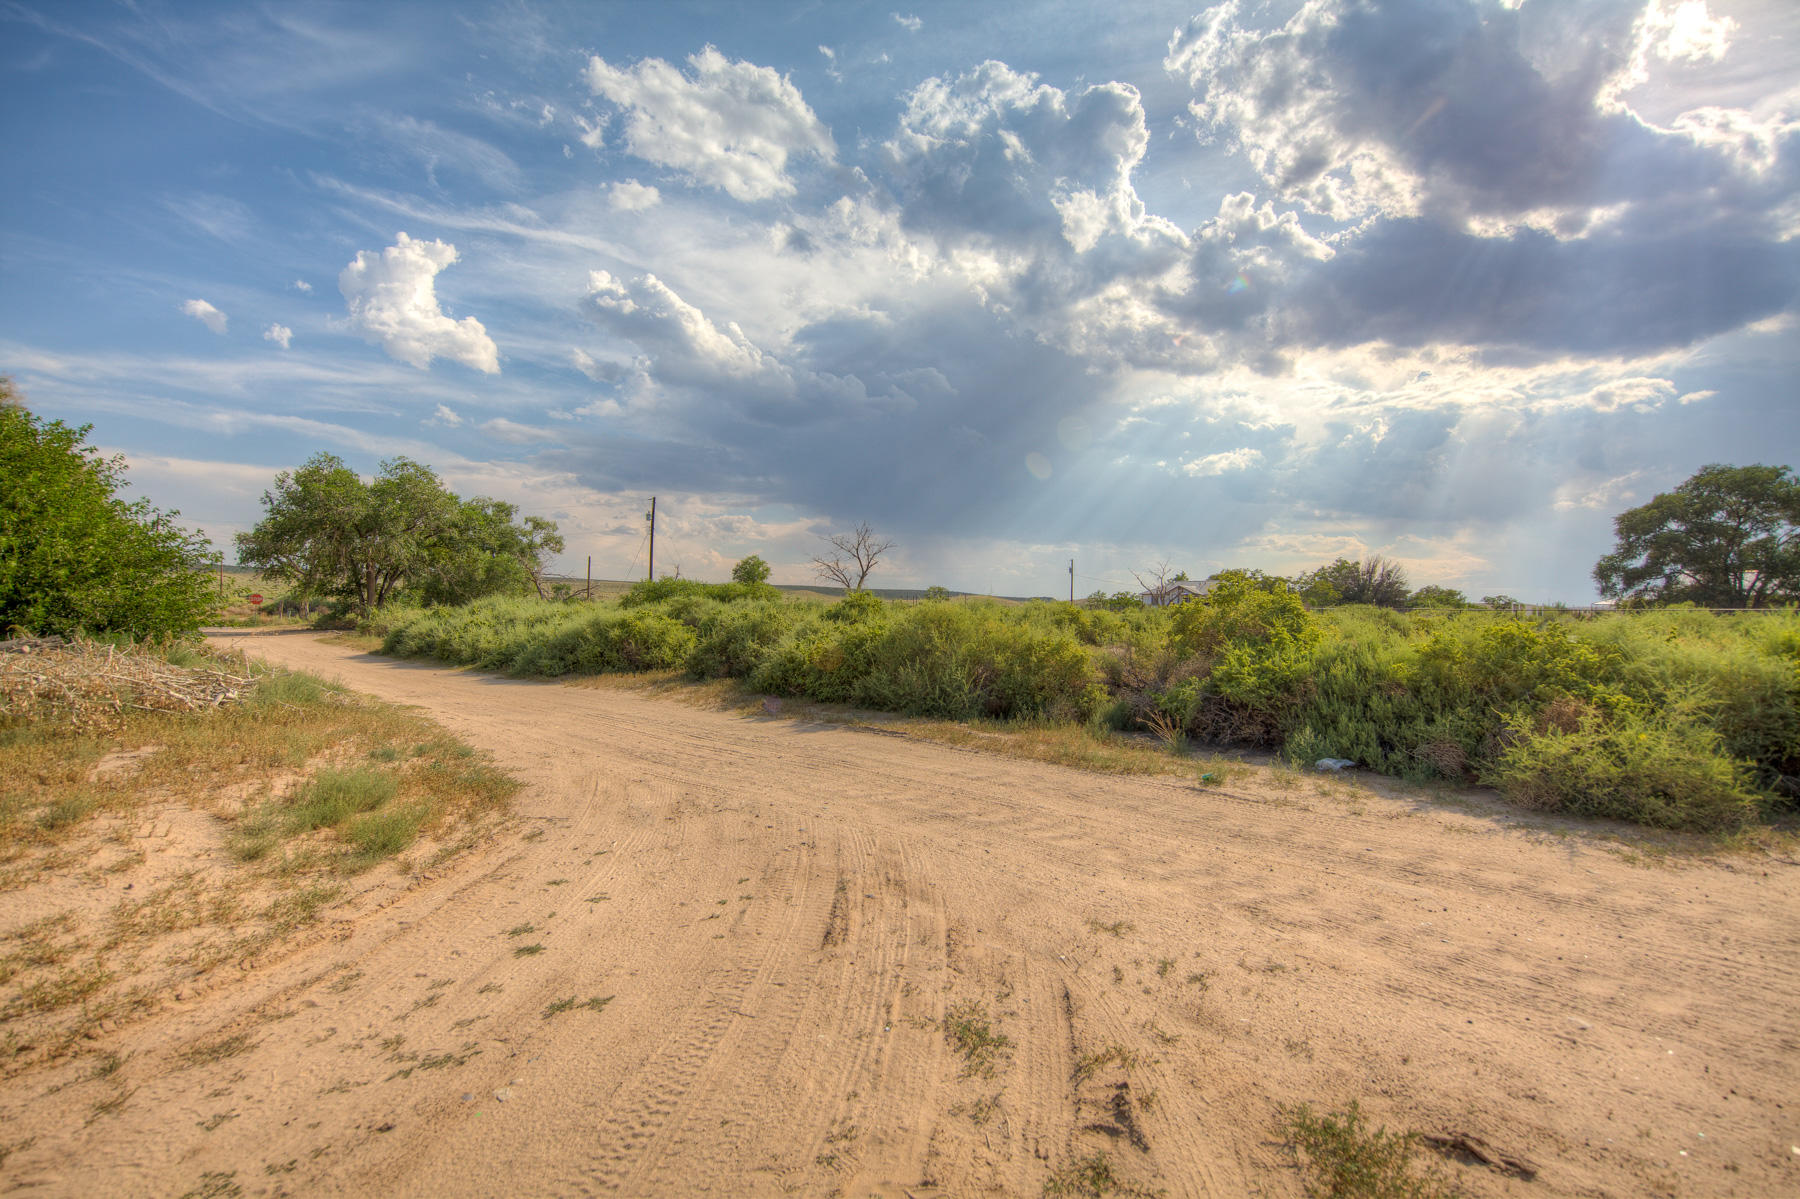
x: 1333, y: 763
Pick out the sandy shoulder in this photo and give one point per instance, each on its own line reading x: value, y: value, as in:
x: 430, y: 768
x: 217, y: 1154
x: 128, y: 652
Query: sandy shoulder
x: 723, y: 955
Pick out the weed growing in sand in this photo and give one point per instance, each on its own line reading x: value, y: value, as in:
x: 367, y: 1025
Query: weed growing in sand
x: 215, y: 1184
x: 525, y: 951
x: 1090, y: 1064
x: 1117, y: 928
x: 1091, y: 1177
x: 1343, y: 1158
x: 596, y: 1004
x: 209, y: 1052
x: 970, y: 1032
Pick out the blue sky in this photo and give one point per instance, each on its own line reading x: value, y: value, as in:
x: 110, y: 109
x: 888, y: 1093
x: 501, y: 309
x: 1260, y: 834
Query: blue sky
x: 1244, y: 284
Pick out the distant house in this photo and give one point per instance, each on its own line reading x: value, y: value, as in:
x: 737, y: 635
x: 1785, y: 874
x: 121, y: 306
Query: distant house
x: 1177, y: 592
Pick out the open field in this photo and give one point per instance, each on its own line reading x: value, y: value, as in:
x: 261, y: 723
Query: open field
x: 753, y: 955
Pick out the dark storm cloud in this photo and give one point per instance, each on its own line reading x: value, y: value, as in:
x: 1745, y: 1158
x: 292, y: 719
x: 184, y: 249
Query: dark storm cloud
x: 1491, y: 187
x: 1413, y: 283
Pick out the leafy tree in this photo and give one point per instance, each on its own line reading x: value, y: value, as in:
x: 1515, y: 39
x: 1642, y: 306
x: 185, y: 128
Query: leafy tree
x: 750, y: 570
x: 1728, y: 537
x: 1434, y: 596
x: 330, y: 533
x: 1373, y: 580
x: 1253, y: 577
x: 74, y: 557
x: 1501, y: 601
x: 1118, y: 601
x: 487, y: 553
x: 936, y: 593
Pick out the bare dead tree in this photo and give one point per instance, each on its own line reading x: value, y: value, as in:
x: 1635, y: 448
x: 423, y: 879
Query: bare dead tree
x: 1154, y: 580
x: 853, y: 555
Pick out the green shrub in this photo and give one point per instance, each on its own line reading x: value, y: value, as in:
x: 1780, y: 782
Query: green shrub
x: 733, y: 641
x: 1445, y: 694
x: 74, y: 557
x: 1665, y: 770
x: 662, y: 590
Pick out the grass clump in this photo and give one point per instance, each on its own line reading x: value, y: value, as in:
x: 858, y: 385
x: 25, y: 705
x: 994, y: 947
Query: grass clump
x: 331, y: 797
x: 1343, y: 1158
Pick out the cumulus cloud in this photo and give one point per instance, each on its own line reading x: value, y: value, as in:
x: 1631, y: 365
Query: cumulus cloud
x: 443, y: 417
x: 724, y: 124
x: 206, y: 314
x: 392, y: 298
x: 908, y: 22
x: 1222, y: 463
x: 280, y: 334
x: 628, y: 195
x: 302, y: 285
x: 688, y: 351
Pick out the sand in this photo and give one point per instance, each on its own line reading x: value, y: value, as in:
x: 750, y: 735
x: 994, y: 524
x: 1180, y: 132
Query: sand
x: 754, y: 931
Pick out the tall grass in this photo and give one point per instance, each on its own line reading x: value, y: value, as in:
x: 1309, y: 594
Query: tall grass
x: 1678, y: 719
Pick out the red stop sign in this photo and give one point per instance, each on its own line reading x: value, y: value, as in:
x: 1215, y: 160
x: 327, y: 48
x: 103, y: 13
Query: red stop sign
x: 256, y: 599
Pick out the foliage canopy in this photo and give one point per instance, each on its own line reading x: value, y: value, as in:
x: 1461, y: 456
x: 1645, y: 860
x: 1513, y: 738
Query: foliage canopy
x: 1728, y: 537
x: 332, y: 534
x: 74, y: 557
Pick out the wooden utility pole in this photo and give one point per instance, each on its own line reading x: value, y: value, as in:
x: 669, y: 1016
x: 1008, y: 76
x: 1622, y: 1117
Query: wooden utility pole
x: 651, y: 517
x: 590, y: 585
x: 1071, y: 580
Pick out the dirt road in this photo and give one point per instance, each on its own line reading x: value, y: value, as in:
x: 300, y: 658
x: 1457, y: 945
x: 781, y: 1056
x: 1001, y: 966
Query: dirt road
x: 780, y: 957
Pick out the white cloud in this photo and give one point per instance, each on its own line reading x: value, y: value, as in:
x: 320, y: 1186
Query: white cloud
x: 1607, y: 494
x: 651, y: 314
x: 1222, y: 463
x: 392, y: 297
x: 909, y: 23
x: 729, y: 125
x: 628, y: 195
x: 443, y: 417
x: 1684, y: 32
x: 515, y: 433
x: 302, y: 285
x: 206, y: 314
x: 280, y: 334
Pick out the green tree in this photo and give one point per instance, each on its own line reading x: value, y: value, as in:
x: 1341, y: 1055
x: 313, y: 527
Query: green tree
x: 1373, y: 580
x: 1728, y: 537
x: 330, y: 533
x: 1434, y: 596
x: 74, y: 557
x: 750, y: 570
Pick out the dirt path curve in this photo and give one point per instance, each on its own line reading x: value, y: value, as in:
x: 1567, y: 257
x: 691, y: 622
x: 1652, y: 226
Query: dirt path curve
x: 766, y: 928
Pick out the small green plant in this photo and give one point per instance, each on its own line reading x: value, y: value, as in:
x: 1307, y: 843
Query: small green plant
x: 1091, y: 1177
x: 1090, y: 1064
x: 1343, y: 1158
x: 970, y: 1032
x: 525, y: 951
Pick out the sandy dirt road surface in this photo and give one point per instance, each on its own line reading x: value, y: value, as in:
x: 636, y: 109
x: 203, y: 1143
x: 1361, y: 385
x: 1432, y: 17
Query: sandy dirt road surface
x: 755, y: 934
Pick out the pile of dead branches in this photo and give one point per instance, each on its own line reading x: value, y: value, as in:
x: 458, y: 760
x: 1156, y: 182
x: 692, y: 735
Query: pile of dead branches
x: 91, y: 684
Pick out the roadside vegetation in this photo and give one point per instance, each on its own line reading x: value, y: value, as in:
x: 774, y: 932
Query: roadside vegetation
x: 168, y: 812
x: 1677, y: 718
